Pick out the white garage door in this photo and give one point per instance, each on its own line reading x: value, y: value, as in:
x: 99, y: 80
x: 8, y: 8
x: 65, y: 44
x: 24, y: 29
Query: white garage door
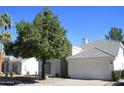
x: 90, y: 69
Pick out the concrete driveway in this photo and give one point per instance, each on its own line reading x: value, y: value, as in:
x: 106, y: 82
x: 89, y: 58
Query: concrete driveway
x: 70, y: 82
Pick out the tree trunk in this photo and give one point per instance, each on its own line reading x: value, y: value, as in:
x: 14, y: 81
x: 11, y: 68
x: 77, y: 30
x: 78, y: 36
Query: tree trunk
x: 43, y: 70
x: 7, y: 68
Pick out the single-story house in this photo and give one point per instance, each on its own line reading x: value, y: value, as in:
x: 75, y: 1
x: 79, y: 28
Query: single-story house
x: 31, y: 66
x: 97, y: 60
x: 20, y: 66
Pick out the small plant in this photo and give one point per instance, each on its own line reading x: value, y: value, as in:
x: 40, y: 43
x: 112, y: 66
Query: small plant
x: 116, y: 75
x: 11, y: 74
x: 57, y: 75
x: 6, y: 74
x: 66, y: 76
x: 122, y: 74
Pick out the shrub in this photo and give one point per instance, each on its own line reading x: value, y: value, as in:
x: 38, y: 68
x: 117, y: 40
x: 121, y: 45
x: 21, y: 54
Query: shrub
x: 6, y: 74
x: 116, y: 75
x: 122, y: 74
x: 57, y: 75
x: 11, y: 74
x: 64, y: 75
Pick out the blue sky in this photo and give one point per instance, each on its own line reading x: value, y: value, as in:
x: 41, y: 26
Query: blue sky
x: 80, y: 22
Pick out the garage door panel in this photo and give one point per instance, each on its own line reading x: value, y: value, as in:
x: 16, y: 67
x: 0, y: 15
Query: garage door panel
x: 90, y: 70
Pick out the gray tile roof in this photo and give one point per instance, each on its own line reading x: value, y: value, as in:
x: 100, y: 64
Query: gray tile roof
x: 100, y: 48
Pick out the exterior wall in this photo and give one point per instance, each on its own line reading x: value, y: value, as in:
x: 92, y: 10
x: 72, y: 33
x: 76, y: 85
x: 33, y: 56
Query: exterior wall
x: 10, y: 67
x: 118, y: 63
x: 64, y: 68
x: 99, y: 68
x: 76, y: 50
x: 55, y: 67
x: 39, y: 67
x: 30, y: 66
x: 19, y: 68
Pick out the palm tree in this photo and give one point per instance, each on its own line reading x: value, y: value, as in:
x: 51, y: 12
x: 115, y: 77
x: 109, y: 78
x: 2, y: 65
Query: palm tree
x: 5, y: 22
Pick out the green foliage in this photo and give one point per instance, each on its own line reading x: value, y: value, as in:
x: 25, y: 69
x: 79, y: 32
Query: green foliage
x: 0, y: 37
x: 5, y: 22
x: 115, y: 34
x: 25, y: 45
x: 44, y: 38
x: 8, y: 47
x: 116, y: 75
x: 122, y: 74
x: 7, y: 36
x: 53, y: 42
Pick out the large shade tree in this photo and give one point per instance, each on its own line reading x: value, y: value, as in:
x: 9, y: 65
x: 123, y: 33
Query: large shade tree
x: 115, y: 34
x: 44, y: 39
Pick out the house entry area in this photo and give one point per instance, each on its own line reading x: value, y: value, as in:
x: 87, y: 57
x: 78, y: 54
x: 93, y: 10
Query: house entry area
x: 48, y: 68
x: 52, y: 68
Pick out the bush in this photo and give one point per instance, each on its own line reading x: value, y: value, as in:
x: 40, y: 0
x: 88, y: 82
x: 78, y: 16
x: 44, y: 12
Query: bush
x: 57, y: 75
x: 116, y: 75
x: 6, y: 74
x: 122, y: 74
x: 11, y: 74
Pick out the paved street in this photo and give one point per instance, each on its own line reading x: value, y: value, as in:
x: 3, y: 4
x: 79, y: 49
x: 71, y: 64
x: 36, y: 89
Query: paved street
x: 69, y: 82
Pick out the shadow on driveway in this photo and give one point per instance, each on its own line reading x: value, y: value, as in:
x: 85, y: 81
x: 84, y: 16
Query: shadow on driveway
x: 7, y: 81
x: 118, y: 84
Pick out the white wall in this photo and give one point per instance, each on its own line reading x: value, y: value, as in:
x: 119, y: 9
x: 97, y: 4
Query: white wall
x: 118, y: 63
x: 76, y: 50
x: 30, y: 65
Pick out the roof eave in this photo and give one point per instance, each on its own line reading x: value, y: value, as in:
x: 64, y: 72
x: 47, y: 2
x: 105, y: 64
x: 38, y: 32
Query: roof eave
x: 111, y: 57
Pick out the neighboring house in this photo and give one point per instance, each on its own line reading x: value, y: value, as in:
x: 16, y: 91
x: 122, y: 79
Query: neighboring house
x: 31, y: 66
x: 19, y: 66
x: 97, y: 60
